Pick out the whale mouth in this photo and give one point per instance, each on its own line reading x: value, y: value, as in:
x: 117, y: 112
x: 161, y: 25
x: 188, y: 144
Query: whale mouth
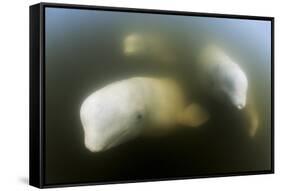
x: 118, y: 139
x: 114, y: 141
x: 110, y: 141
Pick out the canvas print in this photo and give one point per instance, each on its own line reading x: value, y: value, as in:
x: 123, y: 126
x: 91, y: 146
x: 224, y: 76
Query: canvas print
x: 141, y: 96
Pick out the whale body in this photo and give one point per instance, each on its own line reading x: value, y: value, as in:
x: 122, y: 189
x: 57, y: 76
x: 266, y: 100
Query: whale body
x: 223, y: 75
x: 225, y: 78
x: 125, y: 109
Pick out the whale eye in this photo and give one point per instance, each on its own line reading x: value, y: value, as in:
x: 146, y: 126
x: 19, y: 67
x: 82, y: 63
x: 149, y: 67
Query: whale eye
x: 139, y: 116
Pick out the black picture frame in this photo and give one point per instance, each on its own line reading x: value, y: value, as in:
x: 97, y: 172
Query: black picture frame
x: 37, y: 90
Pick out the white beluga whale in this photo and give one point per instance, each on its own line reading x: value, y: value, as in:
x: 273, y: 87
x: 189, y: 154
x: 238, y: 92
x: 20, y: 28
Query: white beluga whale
x: 224, y: 75
x: 128, y: 108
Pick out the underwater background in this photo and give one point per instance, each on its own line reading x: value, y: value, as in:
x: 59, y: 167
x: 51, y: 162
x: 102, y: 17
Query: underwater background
x: 84, y: 51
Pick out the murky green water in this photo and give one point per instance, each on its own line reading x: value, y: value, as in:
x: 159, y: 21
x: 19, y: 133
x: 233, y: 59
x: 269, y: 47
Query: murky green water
x: 85, y: 51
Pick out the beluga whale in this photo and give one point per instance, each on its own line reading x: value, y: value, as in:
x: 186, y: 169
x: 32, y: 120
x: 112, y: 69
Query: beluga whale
x: 223, y: 75
x: 226, y: 80
x: 126, y: 109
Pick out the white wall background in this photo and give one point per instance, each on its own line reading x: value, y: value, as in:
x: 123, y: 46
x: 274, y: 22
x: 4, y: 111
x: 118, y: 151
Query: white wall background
x: 14, y: 92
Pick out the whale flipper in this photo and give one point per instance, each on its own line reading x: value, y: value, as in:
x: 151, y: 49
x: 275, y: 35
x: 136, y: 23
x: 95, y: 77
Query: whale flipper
x: 193, y: 115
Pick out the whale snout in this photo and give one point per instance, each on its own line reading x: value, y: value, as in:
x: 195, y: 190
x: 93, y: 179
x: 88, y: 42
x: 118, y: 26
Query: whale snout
x: 239, y: 103
x: 239, y: 100
x: 240, y: 106
x: 94, y: 146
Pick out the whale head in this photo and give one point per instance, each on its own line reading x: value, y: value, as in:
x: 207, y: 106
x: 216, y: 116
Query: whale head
x: 234, y: 84
x: 111, y: 116
x: 226, y: 75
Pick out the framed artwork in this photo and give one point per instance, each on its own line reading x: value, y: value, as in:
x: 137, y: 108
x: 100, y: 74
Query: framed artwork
x: 123, y: 95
